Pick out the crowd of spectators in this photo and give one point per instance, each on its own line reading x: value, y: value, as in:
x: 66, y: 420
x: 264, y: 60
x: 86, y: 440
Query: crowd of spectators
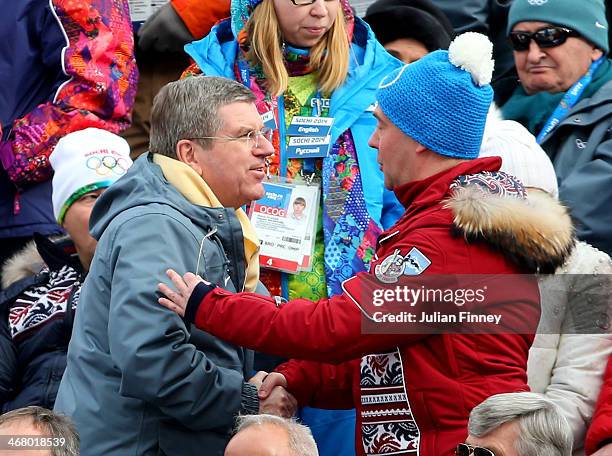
x: 452, y: 143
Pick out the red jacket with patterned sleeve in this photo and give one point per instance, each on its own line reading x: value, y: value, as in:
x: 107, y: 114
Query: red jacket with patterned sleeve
x: 414, y: 387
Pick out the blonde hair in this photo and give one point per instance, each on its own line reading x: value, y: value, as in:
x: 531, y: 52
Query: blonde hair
x: 330, y: 56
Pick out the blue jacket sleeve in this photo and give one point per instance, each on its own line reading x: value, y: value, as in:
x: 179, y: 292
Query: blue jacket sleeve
x: 392, y: 209
x: 149, y: 343
x: 588, y: 192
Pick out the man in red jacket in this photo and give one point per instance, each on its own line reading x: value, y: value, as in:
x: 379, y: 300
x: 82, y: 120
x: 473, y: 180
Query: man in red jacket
x: 413, y: 384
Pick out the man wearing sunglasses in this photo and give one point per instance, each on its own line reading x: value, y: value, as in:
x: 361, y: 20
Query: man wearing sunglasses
x: 517, y: 424
x: 565, y: 100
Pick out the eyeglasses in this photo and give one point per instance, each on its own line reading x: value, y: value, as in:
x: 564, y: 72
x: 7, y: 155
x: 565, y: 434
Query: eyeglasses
x: 252, y: 138
x: 463, y: 449
x: 545, y: 38
x: 306, y: 2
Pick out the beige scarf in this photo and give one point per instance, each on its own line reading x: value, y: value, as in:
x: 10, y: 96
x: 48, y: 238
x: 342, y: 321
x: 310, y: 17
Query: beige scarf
x: 196, y: 191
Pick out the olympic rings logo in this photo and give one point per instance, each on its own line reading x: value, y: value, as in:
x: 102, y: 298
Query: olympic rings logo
x: 537, y: 2
x: 107, y: 165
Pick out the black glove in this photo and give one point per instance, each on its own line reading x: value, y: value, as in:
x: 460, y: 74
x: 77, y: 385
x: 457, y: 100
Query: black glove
x: 164, y: 31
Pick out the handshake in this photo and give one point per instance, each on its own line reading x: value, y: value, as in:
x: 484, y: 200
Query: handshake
x: 274, y: 399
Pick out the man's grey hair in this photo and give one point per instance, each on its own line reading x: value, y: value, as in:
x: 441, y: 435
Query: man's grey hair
x: 50, y: 424
x: 301, y: 441
x: 188, y: 109
x: 543, y: 430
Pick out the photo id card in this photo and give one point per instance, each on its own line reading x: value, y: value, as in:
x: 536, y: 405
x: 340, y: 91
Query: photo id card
x: 285, y: 222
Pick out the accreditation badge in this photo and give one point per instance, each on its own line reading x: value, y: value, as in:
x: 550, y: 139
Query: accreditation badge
x: 269, y: 120
x: 285, y: 222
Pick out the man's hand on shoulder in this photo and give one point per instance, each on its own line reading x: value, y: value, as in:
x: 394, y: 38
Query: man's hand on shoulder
x: 177, y: 300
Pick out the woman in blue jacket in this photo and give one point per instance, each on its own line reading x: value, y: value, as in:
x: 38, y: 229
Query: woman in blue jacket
x: 313, y: 58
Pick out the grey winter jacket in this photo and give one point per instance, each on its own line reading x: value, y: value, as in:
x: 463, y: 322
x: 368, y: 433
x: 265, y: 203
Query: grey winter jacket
x: 581, y: 151
x: 138, y: 382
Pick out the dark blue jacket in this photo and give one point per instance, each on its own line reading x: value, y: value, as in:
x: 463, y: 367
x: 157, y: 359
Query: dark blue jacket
x: 31, y: 42
x: 34, y: 339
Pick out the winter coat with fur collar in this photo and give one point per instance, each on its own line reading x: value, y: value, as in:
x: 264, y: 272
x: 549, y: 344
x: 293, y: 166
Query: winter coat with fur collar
x: 414, y: 388
x: 41, y: 286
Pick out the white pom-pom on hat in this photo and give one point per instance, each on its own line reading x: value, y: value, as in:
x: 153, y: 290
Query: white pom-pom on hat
x: 473, y: 52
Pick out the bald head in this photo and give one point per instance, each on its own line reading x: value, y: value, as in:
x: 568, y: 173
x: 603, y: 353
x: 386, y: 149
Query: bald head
x: 268, y: 435
x: 261, y: 440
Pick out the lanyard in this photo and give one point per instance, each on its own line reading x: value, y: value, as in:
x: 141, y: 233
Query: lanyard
x: 571, y: 97
x: 308, y: 167
x: 282, y: 135
x: 245, y: 72
x: 309, y: 163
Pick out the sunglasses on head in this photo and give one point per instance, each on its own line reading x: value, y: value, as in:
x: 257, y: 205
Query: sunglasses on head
x: 545, y: 38
x: 463, y: 449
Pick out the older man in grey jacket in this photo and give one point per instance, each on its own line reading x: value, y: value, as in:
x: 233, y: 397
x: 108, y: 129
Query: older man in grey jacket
x: 565, y: 99
x: 138, y: 381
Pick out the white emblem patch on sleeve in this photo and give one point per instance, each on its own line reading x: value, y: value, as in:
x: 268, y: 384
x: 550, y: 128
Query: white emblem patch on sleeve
x: 395, y: 265
x: 415, y: 262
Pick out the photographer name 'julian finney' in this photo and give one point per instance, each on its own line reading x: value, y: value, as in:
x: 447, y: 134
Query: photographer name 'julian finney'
x: 436, y: 317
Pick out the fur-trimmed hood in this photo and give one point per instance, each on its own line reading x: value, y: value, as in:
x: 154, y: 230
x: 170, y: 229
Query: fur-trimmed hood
x: 536, y: 232
x: 41, y: 253
x: 25, y: 263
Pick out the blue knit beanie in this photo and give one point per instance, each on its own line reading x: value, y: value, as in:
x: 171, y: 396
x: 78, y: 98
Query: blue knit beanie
x: 587, y: 17
x: 441, y: 101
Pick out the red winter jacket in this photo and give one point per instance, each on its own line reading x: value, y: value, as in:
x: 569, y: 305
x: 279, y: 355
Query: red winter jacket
x: 600, y: 432
x: 413, y: 391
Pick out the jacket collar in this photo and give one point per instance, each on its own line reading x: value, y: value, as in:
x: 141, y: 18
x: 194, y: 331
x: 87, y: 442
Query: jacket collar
x: 32, y: 259
x: 535, y: 233
x: 59, y: 253
x: 430, y: 191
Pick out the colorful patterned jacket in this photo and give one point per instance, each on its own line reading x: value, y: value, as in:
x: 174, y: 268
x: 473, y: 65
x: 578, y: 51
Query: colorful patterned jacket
x: 65, y: 65
x: 415, y: 384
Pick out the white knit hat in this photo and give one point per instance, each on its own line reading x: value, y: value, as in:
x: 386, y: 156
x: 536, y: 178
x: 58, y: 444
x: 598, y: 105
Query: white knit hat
x: 521, y: 155
x: 85, y: 161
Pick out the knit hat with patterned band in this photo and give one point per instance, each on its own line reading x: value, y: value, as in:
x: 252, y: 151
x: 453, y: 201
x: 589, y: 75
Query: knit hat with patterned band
x: 441, y: 101
x: 587, y: 17
x: 85, y: 161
